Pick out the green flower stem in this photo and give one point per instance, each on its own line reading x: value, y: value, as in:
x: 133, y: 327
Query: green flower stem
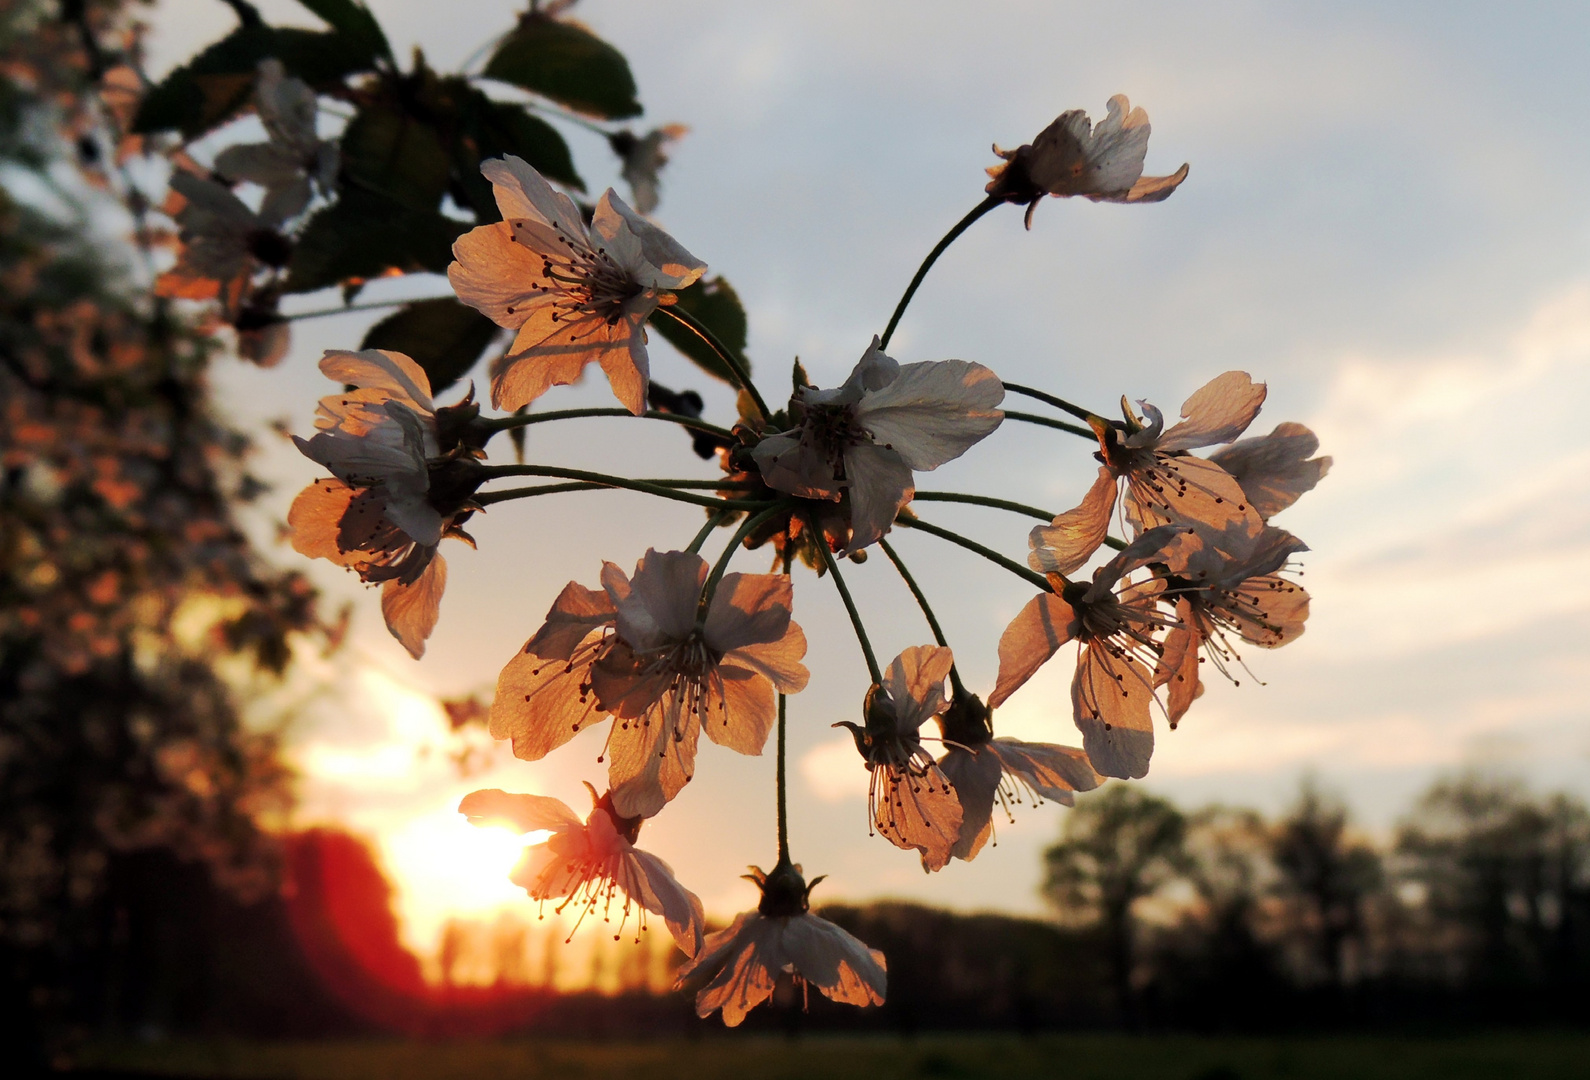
x: 713, y: 521
x: 1044, y: 421
x: 850, y: 606
x: 664, y: 489
x: 972, y: 545
x: 932, y: 257
x: 927, y: 611
x: 984, y: 500
x: 783, y: 812
x: 504, y: 423
x: 1049, y: 399
x: 750, y: 523
x: 735, y: 366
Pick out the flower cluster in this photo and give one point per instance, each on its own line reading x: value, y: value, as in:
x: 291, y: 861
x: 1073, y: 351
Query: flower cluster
x: 681, y: 647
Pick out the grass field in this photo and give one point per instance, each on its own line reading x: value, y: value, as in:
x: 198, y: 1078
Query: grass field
x: 1534, y: 1056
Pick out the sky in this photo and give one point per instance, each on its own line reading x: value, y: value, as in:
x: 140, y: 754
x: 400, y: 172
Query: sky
x: 1384, y: 222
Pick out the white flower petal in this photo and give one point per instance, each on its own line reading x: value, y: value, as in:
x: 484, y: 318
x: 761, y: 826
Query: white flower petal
x: 880, y: 483
x: 1033, y: 636
x: 933, y: 411
x: 1217, y: 412
x: 380, y: 369
x: 1071, y: 539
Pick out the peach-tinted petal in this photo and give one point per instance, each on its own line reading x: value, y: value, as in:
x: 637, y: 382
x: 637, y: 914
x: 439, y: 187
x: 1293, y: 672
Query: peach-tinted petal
x: 741, y: 710
x: 975, y: 774
x: 527, y: 813
x: 665, y: 592
x: 1110, y: 696
x: 651, y: 759
x: 1274, y: 469
x: 541, y: 704
x: 573, y: 615
x: 933, y: 411
x: 1033, y: 636
x: 1217, y: 412
x: 1062, y: 546
x: 652, y: 257
x: 380, y: 369
x: 777, y: 661
x: 748, y: 609
x: 915, y: 681
x: 918, y: 811
x: 1177, y: 669
x: 411, y: 611
x: 880, y: 483
x: 316, y: 519
x: 834, y: 961
x: 1054, y: 772
x: 522, y: 192
x: 502, y: 280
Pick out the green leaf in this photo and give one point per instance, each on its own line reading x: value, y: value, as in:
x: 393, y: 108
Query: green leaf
x: 389, y: 151
x: 567, y: 63
x: 363, y: 235
x: 716, y: 306
x: 354, y: 23
x: 442, y: 336
x: 210, y: 89
x: 494, y: 129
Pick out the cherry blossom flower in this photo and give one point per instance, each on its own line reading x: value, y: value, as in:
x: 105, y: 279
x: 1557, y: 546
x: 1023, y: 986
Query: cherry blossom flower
x: 642, y: 652
x: 911, y: 802
x: 1164, y: 483
x: 575, y: 295
x: 862, y: 440
x: 1072, y: 156
x: 984, y: 770
x: 295, y: 160
x: 224, y: 244
x: 1220, y: 595
x: 589, y: 863
x: 782, y: 937
x: 1115, y: 625
x: 395, y: 495
x: 1274, y: 470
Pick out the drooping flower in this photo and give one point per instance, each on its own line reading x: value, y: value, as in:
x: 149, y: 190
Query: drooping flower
x: 395, y: 495
x: 295, y: 160
x: 1073, y: 157
x: 862, y: 440
x: 589, y: 863
x: 782, y: 937
x: 641, y: 652
x: 1274, y: 470
x: 985, y: 770
x: 1221, y: 595
x: 575, y: 295
x: 643, y: 158
x: 911, y: 802
x: 1114, y: 620
x: 224, y: 244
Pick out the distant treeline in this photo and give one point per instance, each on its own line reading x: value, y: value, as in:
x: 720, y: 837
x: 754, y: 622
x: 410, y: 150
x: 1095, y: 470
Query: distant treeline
x: 1477, y: 911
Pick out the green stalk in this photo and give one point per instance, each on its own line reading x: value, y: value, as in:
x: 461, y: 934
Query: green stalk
x: 603, y: 480
x: 990, y: 554
x: 932, y: 257
x: 984, y: 500
x: 850, y: 607
x: 927, y: 611
x: 504, y: 423
x: 1044, y: 421
x: 750, y: 523
x: 1049, y: 399
x: 743, y: 377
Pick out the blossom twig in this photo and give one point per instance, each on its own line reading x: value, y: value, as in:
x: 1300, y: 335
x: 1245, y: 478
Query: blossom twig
x: 605, y: 480
x: 730, y: 360
x: 1049, y: 399
x: 984, y: 500
x: 932, y: 257
x: 972, y: 545
x: 927, y: 610
x: 504, y: 423
x: 850, y: 607
x: 1044, y: 421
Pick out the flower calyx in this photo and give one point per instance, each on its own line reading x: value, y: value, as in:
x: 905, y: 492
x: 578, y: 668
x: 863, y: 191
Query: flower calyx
x: 785, y: 892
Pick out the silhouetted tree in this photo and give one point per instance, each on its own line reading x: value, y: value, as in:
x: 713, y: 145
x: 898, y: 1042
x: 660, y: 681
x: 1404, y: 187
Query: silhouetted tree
x: 1327, y: 878
x: 1117, y: 848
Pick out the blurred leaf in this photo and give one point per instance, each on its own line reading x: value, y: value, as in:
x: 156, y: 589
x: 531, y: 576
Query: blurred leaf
x: 567, y: 63
x: 493, y: 129
x: 716, y: 306
x: 215, y: 84
x: 442, y: 336
x: 355, y: 24
x: 387, y: 150
x: 363, y: 235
